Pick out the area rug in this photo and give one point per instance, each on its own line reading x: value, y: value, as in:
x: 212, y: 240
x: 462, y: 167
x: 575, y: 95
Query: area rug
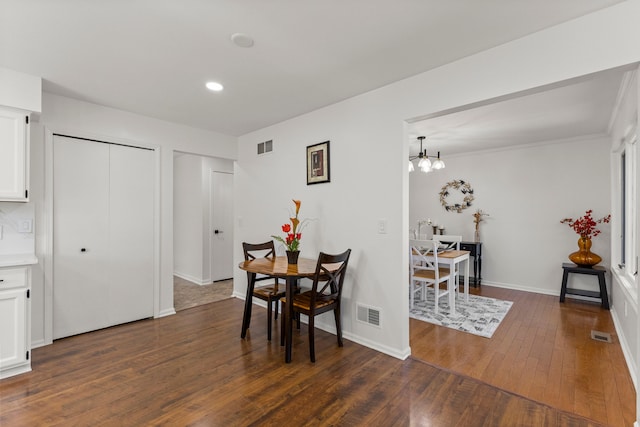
x: 480, y: 316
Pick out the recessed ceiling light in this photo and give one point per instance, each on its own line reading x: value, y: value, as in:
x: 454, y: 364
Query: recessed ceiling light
x: 214, y: 86
x: 242, y: 40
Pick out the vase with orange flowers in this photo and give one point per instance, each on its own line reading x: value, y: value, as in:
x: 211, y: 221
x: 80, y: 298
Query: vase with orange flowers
x: 293, y: 235
x: 586, y: 227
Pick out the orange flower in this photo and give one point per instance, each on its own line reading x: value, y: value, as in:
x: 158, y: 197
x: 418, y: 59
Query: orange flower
x: 297, y: 202
x: 295, y: 222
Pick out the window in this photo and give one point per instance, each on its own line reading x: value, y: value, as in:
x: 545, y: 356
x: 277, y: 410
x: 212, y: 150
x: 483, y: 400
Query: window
x: 625, y: 248
x: 623, y: 209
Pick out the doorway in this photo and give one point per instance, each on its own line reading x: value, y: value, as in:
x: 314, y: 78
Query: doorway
x: 203, y: 203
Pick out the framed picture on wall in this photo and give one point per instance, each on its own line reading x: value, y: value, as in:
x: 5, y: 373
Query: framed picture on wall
x: 318, y: 163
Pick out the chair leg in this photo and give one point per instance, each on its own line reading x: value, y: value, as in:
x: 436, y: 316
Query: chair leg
x: 312, y: 347
x: 436, y: 290
x: 276, y: 310
x: 336, y: 314
x: 411, y: 293
x: 269, y: 321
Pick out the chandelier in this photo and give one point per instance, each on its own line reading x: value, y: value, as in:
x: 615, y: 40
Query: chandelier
x: 424, y: 163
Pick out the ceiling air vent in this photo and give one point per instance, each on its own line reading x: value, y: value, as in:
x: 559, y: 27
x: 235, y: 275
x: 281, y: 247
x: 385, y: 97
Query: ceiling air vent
x: 265, y: 147
x: 368, y: 315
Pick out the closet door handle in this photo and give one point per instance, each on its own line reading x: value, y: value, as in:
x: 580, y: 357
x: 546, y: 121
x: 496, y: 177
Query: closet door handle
x: 83, y: 250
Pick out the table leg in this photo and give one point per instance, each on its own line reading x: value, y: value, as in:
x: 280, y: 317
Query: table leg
x: 563, y: 287
x: 466, y: 279
x: 291, y: 282
x: 248, y: 303
x: 451, y: 285
x: 603, y: 291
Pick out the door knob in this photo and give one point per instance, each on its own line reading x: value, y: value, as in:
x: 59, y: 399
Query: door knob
x: 217, y: 232
x: 83, y: 250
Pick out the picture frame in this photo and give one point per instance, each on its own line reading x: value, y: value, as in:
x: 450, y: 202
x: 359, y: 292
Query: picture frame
x: 318, y: 163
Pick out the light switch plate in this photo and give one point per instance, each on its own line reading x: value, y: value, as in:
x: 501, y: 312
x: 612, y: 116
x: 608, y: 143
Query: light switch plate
x: 25, y: 226
x: 382, y: 226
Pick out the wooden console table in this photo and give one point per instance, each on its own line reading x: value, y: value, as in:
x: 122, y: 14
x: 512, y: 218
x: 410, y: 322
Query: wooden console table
x: 594, y: 271
x: 476, y: 252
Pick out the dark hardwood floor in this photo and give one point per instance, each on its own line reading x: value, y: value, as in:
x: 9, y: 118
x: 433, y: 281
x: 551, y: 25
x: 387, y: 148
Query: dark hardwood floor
x: 193, y: 369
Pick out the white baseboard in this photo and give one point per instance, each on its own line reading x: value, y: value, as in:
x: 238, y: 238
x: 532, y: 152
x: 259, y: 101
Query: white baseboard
x: 626, y: 351
x: 38, y: 343
x: 165, y: 313
x: 197, y: 280
x: 521, y: 288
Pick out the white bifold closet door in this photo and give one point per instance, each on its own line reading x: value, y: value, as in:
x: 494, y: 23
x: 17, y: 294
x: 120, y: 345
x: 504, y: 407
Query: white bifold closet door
x: 102, y: 235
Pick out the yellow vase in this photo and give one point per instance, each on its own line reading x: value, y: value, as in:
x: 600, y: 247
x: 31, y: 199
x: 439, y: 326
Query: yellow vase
x: 584, y: 257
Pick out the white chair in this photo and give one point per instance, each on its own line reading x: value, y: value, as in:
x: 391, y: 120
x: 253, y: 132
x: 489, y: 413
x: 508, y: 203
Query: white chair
x: 448, y: 242
x: 424, y: 270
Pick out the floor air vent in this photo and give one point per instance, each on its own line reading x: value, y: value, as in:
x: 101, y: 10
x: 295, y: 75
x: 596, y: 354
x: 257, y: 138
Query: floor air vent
x: 601, y: 336
x: 368, y: 315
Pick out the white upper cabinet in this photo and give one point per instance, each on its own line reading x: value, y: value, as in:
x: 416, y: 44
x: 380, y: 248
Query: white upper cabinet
x: 14, y: 155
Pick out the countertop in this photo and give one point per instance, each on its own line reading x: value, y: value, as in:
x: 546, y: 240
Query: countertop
x: 17, y: 259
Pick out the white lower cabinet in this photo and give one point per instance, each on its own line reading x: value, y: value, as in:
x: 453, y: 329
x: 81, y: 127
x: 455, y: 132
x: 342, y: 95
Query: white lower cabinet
x: 15, y: 314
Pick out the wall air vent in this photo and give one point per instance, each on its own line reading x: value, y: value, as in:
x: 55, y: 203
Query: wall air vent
x: 265, y: 147
x: 368, y: 315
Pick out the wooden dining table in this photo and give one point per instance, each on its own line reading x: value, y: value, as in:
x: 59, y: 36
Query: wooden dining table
x: 277, y: 267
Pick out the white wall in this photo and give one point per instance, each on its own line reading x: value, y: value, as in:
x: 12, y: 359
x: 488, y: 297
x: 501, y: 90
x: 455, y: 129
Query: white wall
x: 72, y: 117
x: 187, y: 218
x: 369, y: 151
x: 526, y: 191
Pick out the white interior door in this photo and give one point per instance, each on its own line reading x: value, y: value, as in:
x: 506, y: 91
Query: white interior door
x: 221, y: 225
x: 130, y: 234
x: 102, y: 235
x: 80, y: 236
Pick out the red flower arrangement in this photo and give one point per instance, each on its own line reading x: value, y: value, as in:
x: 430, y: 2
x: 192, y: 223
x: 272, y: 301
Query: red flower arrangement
x: 292, y: 240
x: 585, y: 226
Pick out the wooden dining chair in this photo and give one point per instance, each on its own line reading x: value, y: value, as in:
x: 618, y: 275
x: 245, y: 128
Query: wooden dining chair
x: 272, y: 292
x: 425, y: 271
x: 325, y: 295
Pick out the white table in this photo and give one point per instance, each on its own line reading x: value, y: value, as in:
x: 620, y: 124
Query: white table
x: 452, y: 258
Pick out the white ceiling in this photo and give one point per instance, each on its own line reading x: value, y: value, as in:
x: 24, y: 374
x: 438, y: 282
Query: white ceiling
x: 153, y: 57
x: 572, y: 110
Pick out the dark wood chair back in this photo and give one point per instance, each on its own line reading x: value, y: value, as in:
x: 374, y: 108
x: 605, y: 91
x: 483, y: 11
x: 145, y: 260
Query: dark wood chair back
x: 325, y: 295
x: 327, y: 284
